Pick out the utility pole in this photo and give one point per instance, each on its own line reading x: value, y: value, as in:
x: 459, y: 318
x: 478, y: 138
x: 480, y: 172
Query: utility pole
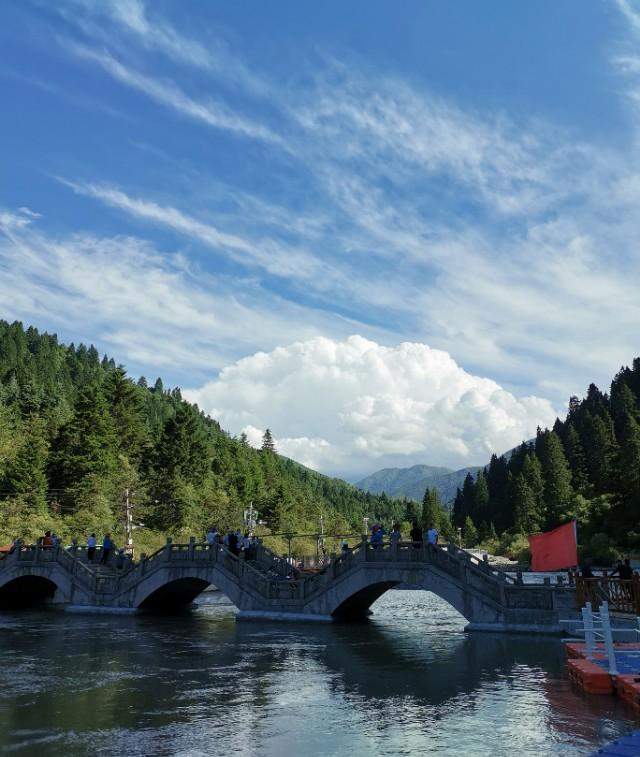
x: 320, y: 549
x: 128, y: 523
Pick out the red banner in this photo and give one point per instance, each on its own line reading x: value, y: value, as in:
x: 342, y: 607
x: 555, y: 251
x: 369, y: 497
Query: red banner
x: 555, y: 550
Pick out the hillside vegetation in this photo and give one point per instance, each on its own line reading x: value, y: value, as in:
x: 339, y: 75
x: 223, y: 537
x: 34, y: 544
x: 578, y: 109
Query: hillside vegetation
x: 586, y: 467
x: 76, y: 432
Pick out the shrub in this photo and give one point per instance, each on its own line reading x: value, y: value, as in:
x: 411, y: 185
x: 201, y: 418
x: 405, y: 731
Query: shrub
x: 601, y: 550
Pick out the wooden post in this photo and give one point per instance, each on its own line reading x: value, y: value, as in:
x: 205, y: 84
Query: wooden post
x: 579, y: 591
x: 635, y: 589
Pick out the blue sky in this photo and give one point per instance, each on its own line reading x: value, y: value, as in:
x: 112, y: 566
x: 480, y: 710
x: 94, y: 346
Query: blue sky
x: 263, y: 202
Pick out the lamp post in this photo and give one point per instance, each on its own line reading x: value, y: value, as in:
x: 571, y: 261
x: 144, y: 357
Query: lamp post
x: 250, y: 518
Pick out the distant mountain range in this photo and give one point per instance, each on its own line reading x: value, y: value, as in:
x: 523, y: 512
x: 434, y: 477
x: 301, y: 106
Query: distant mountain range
x: 411, y: 482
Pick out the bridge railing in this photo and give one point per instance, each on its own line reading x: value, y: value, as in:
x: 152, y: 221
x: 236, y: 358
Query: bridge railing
x: 480, y: 565
x: 249, y: 576
x: 37, y: 555
x: 620, y: 594
x: 449, y: 558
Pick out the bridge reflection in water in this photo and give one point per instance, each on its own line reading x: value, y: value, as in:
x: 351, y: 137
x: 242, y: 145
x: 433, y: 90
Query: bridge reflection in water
x: 409, y: 681
x: 176, y: 574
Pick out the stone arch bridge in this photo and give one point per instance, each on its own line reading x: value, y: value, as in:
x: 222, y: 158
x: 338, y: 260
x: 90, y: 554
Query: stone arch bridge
x: 174, y: 576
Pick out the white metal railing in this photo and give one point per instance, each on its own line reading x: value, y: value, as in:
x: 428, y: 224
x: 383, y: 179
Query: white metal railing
x: 596, y: 626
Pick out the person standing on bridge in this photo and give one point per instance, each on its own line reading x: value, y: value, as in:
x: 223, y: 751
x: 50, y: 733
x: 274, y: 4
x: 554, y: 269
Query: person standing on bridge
x: 394, y: 536
x: 416, y: 535
x: 432, y: 536
x: 107, y: 546
x: 232, y: 542
x: 91, y: 547
x: 212, y: 536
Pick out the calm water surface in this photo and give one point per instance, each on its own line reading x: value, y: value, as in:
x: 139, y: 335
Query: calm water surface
x: 410, y: 682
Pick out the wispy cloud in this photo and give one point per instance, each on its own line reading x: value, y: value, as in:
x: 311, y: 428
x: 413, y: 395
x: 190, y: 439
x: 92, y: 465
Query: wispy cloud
x: 107, y: 19
x: 150, y: 309
x: 504, y: 240
x: 210, y: 112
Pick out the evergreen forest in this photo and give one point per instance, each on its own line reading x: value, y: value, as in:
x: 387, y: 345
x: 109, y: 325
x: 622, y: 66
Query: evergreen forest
x: 586, y: 467
x: 77, y: 434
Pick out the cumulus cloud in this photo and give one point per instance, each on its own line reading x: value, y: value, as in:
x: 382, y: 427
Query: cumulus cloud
x: 354, y: 405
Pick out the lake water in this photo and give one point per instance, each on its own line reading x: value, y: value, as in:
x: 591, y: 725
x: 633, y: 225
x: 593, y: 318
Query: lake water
x: 409, y: 682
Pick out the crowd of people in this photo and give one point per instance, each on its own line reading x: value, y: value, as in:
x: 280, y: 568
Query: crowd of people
x: 244, y: 544
x: 238, y: 543
x: 108, y: 549
x: 417, y: 535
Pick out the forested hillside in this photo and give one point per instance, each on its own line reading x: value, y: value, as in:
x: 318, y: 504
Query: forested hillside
x: 587, y: 467
x: 76, y: 432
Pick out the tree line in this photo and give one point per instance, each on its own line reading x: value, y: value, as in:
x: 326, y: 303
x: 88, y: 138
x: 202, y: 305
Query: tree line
x: 586, y: 467
x: 76, y: 433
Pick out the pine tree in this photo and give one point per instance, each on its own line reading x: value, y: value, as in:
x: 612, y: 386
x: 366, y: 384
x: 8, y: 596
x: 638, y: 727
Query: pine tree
x: 26, y: 474
x: 577, y: 460
x: 527, y: 514
x: 446, y: 527
x: 481, y: 499
x: 268, y: 445
x: 516, y: 461
x: 125, y: 403
x: 469, y: 533
x: 458, y: 513
x: 557, y: 476
x: 623, y: 404
x: 499, y: 512
x: 431, y: 509
x: 87, y: 444
x: 628, y: 475
x: 600, y: 449
x: 468, y: 496
x: 181, y: 466
x: 532, y: 473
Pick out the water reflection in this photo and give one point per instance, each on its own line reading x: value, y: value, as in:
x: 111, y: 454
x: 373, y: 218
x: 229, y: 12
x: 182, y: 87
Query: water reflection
x: 408, y: 681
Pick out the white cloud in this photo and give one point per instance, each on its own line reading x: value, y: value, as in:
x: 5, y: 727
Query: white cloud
x: 354, y: 405
x: 273, y: 257
x: 151, y: 310
x: 212, y: 113
x: 505, y: 241
x: 108, y: 19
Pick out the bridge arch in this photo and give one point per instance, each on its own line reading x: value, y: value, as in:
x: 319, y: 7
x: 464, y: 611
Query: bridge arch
x: 174, y: 595
x: 170, y: 589
x: 27, y: 591
x: 351, y: 597
x: 357, y: 604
